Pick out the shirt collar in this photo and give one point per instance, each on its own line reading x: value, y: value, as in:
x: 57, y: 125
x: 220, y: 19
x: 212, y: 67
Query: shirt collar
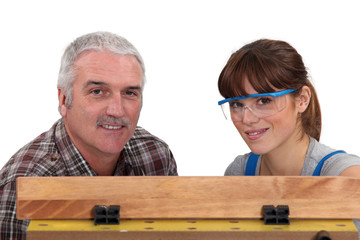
x: 73, y: 160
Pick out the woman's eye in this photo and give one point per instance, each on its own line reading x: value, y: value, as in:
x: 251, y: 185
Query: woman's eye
x: 262, y: 101
x: 235, y: 105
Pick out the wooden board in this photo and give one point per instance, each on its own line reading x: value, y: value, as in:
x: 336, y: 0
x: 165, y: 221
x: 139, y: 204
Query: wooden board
x: 190, y: 229
x: 188, y: 197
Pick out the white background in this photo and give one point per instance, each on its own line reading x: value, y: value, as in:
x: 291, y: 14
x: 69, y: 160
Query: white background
x: 185, y: 45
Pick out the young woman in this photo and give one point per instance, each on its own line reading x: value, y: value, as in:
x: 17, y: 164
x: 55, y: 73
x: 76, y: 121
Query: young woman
x: 274, y: 106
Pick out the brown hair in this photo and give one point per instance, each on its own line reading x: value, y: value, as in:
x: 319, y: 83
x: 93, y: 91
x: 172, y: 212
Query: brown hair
x: 270, y: 64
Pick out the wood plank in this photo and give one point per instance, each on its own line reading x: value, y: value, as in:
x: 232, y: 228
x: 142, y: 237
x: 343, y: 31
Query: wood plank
x: 190, y: 229
x: 188, y: 197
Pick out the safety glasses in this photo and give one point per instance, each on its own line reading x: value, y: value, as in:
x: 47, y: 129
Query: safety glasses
x: 260, y: 104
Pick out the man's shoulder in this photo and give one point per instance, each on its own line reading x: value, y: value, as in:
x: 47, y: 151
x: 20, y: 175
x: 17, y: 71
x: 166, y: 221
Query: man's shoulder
x: 140, y: 134
x: 149, y: 155
x: 38, y: 147
x: 29, y: 160
x: 144, y: 144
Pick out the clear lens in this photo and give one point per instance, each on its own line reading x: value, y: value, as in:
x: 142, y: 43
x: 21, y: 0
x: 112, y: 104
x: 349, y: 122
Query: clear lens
x: 260, y: 106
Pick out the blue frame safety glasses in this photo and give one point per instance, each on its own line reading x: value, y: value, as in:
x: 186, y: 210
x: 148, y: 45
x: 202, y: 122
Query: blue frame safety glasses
x: 260, y: 104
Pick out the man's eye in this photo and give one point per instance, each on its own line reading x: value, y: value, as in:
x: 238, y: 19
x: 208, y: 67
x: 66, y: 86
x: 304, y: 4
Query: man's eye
x: 131, y: 93
x: 97, y: 91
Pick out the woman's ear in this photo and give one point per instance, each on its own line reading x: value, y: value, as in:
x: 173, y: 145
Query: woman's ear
x: 305, y: 96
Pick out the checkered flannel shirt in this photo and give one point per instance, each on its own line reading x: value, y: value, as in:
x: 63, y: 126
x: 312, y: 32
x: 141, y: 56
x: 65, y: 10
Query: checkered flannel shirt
x: 53, y: 154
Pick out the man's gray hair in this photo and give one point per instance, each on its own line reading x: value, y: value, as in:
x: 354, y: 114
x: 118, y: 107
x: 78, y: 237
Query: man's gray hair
x: 97, y: 41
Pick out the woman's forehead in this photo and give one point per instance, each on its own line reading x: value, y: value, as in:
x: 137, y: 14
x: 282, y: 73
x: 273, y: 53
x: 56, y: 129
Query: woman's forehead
x: 254, y: 86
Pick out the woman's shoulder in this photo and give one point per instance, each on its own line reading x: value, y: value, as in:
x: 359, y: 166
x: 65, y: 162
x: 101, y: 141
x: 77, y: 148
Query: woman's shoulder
x: 237, y: 167
x: 318, y: 151
x: 334, y: 165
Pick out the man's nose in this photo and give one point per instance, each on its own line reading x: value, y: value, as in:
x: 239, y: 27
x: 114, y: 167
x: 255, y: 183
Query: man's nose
x: 115, y: 106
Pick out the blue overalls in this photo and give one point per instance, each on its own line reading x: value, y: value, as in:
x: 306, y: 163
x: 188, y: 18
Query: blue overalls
x: 253, y: 159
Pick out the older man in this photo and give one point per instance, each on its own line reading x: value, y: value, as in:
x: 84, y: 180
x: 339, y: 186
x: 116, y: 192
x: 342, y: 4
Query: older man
x: 100, y: 88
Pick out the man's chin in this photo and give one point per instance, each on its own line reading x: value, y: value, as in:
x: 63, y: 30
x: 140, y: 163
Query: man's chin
x: 111, y: 148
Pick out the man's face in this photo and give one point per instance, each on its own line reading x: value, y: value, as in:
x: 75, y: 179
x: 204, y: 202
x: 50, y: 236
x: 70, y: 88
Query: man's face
x: 107, y: 98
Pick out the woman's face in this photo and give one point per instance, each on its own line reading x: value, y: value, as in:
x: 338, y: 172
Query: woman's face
x: 263, y: 135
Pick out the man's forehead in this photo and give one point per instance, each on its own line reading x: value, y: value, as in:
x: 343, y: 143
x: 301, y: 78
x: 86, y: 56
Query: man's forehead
x: 90, y: 83
x: 107, y: 69
x: 99, y: 56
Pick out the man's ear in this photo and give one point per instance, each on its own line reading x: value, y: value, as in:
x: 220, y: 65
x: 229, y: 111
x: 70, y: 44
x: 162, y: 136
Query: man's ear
x: 305, y: 96
x: 62, y: 102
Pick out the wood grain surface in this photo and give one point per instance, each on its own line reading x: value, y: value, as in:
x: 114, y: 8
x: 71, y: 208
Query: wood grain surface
x: 160, y: 197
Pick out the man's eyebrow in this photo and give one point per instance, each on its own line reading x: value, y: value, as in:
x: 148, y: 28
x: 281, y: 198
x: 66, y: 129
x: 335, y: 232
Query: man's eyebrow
x: 89, y: 83
x: 99, y: 83
x: 135, y: 87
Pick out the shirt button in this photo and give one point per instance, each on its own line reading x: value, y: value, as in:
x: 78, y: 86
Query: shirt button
x: 53, y: 158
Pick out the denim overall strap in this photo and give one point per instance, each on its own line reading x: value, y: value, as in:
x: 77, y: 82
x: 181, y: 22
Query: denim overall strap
x: 321, y: 163
x: 251, y: 165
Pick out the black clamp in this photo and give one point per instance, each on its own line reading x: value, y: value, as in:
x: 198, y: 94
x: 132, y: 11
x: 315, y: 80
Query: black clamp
x: 107, y: 215
x: 276, y: 215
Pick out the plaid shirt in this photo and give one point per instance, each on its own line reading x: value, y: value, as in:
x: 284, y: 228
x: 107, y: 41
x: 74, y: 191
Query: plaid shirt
x: 53, y: 154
